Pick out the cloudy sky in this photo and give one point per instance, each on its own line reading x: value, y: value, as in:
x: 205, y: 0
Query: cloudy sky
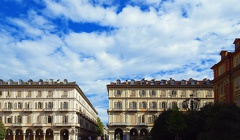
x: 94, y: 42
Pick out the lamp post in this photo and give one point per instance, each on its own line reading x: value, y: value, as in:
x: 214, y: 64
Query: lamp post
x: 194, y: 103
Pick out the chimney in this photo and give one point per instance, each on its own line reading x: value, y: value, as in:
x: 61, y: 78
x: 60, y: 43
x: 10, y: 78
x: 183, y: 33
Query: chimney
x: 237, y: 43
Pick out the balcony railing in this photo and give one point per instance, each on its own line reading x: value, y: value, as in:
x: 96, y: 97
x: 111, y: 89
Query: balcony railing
x: 64, y: 96
x: 67, y: 124
x: 7, y: 109
x: 38, y: 124
x: 48, y: 109
x: 28, y: 109
x: 49, y: 96
x: 132, y: 109
x: 18, y: 96
x: 152, y: 109
x: 208, y: 96
x: 17, y: 124
x: 117, y: 123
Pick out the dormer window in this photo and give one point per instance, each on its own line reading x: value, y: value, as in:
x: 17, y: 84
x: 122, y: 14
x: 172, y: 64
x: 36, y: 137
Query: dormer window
x: 183, y: 82
x: 50, y: 81
x: 10, y: 82
x: 1, y: 81
x: 65, y: 81
x: 40, y: 82
x: 118, y: 82
x: 192, y: 82
x: 208, y: 82
x: 152, y: 82
x: 172, y: 82
x: 30, y: 82
x: 20, y: 82
x: 132, y: 82
x: 162, y: 82
x: 142, y: 81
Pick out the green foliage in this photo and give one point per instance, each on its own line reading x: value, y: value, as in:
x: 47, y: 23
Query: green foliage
x: 176, y: 122
x: 100, y: 128
x: 2, y: 131
x: 216, y: 121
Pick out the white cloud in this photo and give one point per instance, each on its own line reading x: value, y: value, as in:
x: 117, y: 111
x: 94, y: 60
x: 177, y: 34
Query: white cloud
x: 160, y: 43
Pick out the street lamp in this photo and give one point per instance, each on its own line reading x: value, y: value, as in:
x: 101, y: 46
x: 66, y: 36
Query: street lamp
x: 194, y: 103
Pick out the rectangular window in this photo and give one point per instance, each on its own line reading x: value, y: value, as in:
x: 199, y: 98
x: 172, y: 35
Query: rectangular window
x: 221, y: 70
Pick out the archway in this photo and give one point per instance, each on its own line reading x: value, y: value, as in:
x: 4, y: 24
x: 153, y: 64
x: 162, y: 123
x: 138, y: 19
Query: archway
x: 19, y: 134
x: 9, y: 134
x: 49, y: 134
x: 64, y: 134
x: 29, y: 134
x: 143, y: 134
x: 133, y: 134
x: 118, y: 134
x: 39, y: 134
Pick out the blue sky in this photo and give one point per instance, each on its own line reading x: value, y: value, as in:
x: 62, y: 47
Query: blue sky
x: 94, y: 42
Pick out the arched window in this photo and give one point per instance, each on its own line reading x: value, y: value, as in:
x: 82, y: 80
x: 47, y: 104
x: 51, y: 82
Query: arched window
x: 144, y: 105
x: 19, y: 105
x: 119, y: 105
x: 118, y: 82
x: 152, y: 93
x: 50, y: 105
x: 143, y: 119
x: 65, y: 105
x: 152, y: 82
x: 163, y: 93
x: 9, y: 105
x: 134, y: 105
x: 154, y: 105
x: 39, y: 105
x: 118, y: 93
x: 19, y: 119
x: 65, y: 119
x: 49, y: 119
x: 164, y: 105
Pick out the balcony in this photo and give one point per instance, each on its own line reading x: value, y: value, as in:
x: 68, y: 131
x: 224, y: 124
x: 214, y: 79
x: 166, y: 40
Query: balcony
x: 28, y: 96
x: 66, y: 124
x: 49, y: 96
x: 141, y: 124
x: 18, y: 96
x: 28, y: 109
x: 17, y: 124
x: 7, y: 109
x: 117, y: 123
x: 132, y: 109
x: 209, y: 96
x: 48, y: 109
x: 38, y: 124
x: 38, y: 96
x: 8, y: 96
x: 64, y: 96
x: 152, y: 109
x: 117, y: 109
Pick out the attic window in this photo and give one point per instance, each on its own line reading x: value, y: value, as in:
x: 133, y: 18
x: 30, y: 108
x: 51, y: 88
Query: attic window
x: 118, y: 82
x: 10, y: 82
x: 132, y: 82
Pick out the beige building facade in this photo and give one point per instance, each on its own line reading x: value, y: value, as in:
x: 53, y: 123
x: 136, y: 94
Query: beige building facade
x: 134, y: 105
x: 46, y: 110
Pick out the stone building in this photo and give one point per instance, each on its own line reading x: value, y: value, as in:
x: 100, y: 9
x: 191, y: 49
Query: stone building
x: 46, y: 110
x: 134, y: 105
x: 226, y: 80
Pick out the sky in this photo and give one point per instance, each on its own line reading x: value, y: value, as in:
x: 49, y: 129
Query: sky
x: 95, y: 42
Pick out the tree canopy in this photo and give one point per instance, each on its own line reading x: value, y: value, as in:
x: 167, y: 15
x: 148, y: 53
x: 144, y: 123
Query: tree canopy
x: 100, y: 127
x: 2, y: 131
x: 213, y: 121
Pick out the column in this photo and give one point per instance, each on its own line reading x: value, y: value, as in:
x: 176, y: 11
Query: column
x: 24, y: 135
x: 34, y: 136
x: 44, y: 136
x: 14, y: 135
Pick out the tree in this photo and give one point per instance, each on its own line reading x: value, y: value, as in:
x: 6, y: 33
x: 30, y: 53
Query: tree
x: 2, y: 131
x: 160, y: 129
x: 100, y: 127
x: 222, y: 121
x: 176, y: 122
